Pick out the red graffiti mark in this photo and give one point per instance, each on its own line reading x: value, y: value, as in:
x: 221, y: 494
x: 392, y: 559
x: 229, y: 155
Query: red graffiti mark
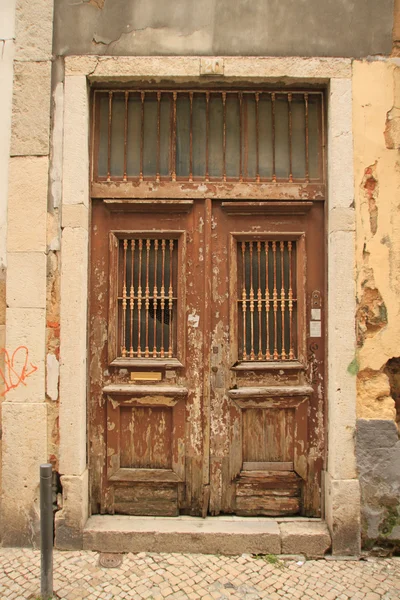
x: 14, y: 375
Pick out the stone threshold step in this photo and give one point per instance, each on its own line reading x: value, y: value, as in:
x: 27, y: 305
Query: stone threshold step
x: 213, y: 535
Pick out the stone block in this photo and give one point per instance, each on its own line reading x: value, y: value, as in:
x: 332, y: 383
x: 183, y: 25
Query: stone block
x: 27, y: 204
x: 25, y: 337
x: 3, y: 293
x: 6, y: 78
x: 52, y: 376
x: 31, y: 108
x: 75, y: 215
x: 311, y: 539
x: 57, y: 133
x: 340, y: 144
x: 7, y: 20
x: 73, y: 351
x: 117, y: 68
x: 287, y: 66
x: 341, y: 352
x: 70, y: 520
x: 378, y: 463
x: 24, y: 450
x: 373, y: 396
x: 342, y: 511
x: 205, y: 536
x: 376, y: 433
x: 26, y: 280
x: 341, y: 219
x: 76, y: 141
x: 34, y: 29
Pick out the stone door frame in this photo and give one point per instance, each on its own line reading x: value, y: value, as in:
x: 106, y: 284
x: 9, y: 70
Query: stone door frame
x: 341, y: 486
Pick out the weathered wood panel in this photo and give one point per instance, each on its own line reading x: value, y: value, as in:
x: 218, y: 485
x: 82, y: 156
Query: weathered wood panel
x: 268, y: 435
x: 146, y: 500
x: 268, y: 506
x: 268, y: 493
x: 146, y: 437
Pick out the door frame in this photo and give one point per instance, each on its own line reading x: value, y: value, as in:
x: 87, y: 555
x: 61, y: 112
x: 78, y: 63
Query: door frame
x: 342, y: 501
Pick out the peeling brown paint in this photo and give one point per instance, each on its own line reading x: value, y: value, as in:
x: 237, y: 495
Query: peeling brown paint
x: 370, y: 187
x: 392, y: 129
x: 392, y: 370
x: 371, y: 314
x: 97, y: 3
x: 374, y: 395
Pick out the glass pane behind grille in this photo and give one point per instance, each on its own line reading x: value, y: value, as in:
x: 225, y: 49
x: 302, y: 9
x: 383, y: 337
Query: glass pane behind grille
x: 211, y: 135
x: 267, y: 300
x: 147, y: 300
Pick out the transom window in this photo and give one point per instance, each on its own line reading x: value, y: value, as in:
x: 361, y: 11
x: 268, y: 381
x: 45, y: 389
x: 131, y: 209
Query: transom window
x: 208, y: 135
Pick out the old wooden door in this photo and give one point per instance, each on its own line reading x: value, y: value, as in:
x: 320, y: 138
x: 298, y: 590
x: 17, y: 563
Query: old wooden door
x: 207, y: 316
x: 206, y: 357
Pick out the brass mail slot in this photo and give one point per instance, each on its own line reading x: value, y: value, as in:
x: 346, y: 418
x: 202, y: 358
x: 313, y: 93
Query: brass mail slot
x: 146, y: 376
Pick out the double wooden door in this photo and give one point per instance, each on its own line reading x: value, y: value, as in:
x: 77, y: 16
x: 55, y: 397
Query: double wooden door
x: 206, y: 364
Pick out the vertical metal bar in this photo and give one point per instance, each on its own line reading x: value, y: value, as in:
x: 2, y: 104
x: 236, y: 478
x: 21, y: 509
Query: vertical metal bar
x: 267, y: 299
x: 170, y: 298
x: 110, y: 100
x: 132, y: 297
x: 124, y: 303
x: 244, y: 300
x: 259, y: 301
x: 139, y: 300
x: 126, y: 135
x: 174, y: 96
x: 162, y: 301
x: 171, y: 135
x: 241, y: 136
x: 224, y: 134
x: 191, y: 137
x: 155, y: 294
x: 245, y: 137
x: 323, y: 136
x: 142, y: 95
x: 291, y: 350
x: 290, y: 137
x: 275, y: 300
x: 147, y: 298
x: 273, y: 136
x: 306, y: 136
x: 283, y: 352
x: 158, y: 136
x: 252, y: 355
x: 94, y: 168
x: 46, y: 532
x: 257, y: 138
x: 207, y: 134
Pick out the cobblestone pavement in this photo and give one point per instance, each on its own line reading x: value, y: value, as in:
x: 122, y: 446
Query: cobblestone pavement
x: 151, y: 576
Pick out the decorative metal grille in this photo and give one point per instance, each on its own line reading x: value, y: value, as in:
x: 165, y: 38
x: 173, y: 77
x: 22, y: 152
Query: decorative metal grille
x: 267, y: 300
x: 208, y: 135
x: 147, y: 297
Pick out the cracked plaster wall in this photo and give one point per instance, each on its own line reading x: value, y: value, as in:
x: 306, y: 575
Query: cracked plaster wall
x: 376, y: 108
x: 211, y: 27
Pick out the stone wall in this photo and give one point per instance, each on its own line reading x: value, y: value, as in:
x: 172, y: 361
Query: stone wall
x: 376, y: 113
x: 25, y: 408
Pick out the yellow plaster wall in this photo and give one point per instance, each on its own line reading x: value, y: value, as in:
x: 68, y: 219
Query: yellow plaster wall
x: 376, y: 131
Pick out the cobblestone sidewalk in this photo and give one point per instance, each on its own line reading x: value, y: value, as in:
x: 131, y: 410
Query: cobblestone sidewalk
x: 150, y: 576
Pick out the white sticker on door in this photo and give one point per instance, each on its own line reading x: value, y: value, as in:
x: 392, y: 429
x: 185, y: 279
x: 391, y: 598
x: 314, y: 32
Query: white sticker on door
x: 193, y: 320
x: 315, y: 328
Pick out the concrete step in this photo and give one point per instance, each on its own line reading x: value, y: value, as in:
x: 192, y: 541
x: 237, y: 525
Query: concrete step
x: 214, y: 535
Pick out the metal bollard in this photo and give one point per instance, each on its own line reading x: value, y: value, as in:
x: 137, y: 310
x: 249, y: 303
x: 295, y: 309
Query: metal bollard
x: 46, y: 532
